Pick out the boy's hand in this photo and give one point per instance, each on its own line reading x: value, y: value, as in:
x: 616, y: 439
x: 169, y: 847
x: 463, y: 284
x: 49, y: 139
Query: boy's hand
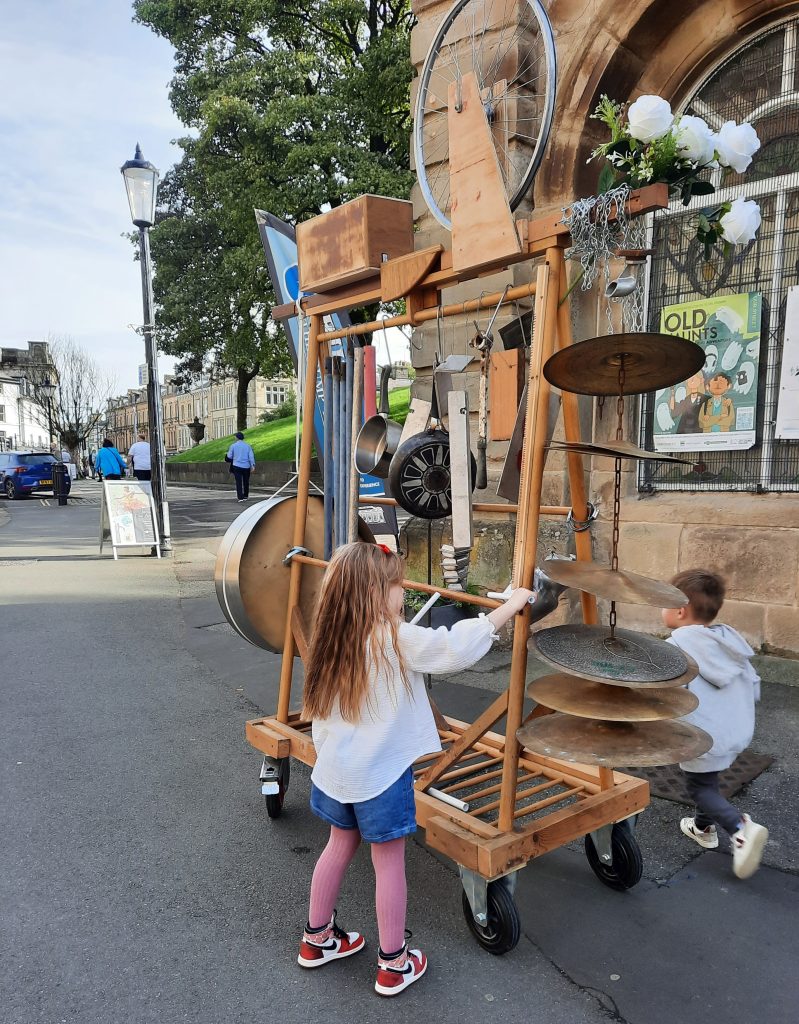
x: 520, y: 597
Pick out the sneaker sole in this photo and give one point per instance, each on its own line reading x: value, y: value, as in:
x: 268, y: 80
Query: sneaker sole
x: 328, y: 959
x: 757, y: 844
x: 383, y: 991
x: 706, y: 845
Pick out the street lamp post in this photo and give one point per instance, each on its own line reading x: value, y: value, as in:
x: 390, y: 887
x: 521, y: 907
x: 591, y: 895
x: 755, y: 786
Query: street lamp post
x: 48, y: 390
x: 141, y: 182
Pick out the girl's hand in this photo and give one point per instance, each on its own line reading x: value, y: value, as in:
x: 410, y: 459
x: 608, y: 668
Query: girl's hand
x: 516, y: 601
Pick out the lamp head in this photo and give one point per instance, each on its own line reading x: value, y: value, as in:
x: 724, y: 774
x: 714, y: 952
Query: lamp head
x: 141, y: 183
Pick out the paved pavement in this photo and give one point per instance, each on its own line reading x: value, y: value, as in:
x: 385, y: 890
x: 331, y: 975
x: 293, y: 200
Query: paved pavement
x: 143, y: 880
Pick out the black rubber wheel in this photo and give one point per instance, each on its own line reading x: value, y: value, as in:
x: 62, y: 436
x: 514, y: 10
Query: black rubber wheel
x: 501, y: 932
x: 627, y: 866
x: 11, y: 491
x: 274, y: 801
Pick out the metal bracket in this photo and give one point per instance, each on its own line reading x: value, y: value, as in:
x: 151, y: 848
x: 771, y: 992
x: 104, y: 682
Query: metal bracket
x: 601, y: 838
x: 296, y: 551
x: 476, y: 888
x: 580, y: 525
x: 270, y: 776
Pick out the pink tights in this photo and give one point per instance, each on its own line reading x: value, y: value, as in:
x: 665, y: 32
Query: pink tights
x: 390, y: 886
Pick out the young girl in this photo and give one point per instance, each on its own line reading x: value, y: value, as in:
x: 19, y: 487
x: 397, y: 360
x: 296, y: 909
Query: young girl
x: 365, y: 694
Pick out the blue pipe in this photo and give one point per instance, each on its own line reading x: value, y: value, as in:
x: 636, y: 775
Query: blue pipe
x: 336, y: 449
x: 328, y: 459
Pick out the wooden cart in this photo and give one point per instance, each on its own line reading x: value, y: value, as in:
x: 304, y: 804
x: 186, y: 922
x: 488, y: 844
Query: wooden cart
x: 517, y: 805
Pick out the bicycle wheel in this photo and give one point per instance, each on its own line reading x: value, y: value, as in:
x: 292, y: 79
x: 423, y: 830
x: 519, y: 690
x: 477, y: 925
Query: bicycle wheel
x: 509, y: 46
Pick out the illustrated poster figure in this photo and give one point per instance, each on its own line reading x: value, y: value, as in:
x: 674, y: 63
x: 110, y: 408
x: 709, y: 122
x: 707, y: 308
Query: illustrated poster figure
x: 717, y: 412
x: 687, y: 410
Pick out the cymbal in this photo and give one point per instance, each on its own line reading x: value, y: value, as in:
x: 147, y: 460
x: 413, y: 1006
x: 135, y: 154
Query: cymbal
x: 651, y: 361
x: 587, y: 699
x: 614, y: 585
x: 614, y: 744
x: 615, y: 450
x: 631, y: 659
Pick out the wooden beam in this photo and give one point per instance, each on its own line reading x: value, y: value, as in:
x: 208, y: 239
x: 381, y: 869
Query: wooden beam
x: 298, y: 629
x: 400, y: 276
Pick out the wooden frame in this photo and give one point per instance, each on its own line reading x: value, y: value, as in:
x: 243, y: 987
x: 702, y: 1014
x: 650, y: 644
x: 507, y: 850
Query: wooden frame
x: 531, y: 804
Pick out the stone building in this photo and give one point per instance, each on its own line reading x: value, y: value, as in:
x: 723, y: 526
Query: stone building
x: 736, y: 512
x: 23, y: 422
x: 212, y: 402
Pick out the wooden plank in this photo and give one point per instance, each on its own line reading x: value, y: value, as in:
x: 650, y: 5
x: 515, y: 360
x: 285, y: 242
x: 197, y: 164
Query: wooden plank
x: 505, y: 386
x: 453, y: 841
x: 556, y: 798
x: 401, y: 275
x: 261, y: 737
x: 428, y: 807
x: 492, y: 714
x: 459, y: 772
x: 482, y: 222
x: 298, y: 629
x: 301, y: 742
x: 486, y: 808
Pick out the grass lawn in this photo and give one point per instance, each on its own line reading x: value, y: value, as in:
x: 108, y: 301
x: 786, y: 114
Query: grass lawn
x: 274, y: 442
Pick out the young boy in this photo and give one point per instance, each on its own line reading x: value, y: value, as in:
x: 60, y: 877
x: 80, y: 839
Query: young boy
x: 727, y: 687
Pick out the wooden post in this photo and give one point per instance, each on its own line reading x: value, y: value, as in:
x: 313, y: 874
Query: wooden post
x: 301, y: 510
x: 529, y: 504
x: 571, y: 427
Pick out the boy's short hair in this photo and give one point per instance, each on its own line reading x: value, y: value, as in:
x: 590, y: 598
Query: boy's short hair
x: 705, y: 592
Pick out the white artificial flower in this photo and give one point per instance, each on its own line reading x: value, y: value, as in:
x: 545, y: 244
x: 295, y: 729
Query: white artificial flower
x: 695, y: 141
x: 650, y: 118
x: 741, y: 224
x: 736, y: 144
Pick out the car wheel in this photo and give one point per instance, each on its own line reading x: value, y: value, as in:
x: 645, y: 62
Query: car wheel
x: 11, y: 491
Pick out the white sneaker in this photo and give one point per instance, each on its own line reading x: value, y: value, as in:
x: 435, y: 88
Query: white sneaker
x: 708, y: 837
x: 748, y: 844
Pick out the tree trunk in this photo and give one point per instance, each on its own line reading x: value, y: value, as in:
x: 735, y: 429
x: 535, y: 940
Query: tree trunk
x: 244, y: 377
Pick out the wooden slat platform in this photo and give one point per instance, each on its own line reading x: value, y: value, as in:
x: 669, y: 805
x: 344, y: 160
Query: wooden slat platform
x: 556, y: 801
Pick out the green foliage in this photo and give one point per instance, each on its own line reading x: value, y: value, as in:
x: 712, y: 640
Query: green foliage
x: 274, y: 442
x: 290, y: 107
x: 280, y: 412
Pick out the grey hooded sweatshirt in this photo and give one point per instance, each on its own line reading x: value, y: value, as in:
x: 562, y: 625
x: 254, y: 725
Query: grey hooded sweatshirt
x: 727, y: 687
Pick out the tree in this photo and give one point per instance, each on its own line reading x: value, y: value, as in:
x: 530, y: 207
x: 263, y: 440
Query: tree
x: 292, y: 106
x: 82, y: 391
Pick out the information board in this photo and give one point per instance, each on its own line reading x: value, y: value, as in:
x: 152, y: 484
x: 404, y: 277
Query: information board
x: 127, y: 515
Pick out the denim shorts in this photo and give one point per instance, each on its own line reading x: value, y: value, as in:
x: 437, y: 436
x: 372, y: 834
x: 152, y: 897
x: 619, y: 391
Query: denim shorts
x: 389, y: 815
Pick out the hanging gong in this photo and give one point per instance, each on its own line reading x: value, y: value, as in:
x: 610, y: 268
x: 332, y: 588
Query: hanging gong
x: 629, y: 659
x: 649, y: 361
x: 587, y: 699
x: 420, y: 477
x: 252, y: 583
x: 615, y: 450
x: 614, y: 584
x: 614, y: 744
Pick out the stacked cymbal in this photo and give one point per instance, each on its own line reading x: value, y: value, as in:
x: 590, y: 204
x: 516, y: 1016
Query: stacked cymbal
x: 618, y: 695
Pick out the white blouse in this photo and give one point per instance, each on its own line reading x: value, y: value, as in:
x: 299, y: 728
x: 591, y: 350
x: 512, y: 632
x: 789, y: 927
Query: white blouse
x: 357, y: 761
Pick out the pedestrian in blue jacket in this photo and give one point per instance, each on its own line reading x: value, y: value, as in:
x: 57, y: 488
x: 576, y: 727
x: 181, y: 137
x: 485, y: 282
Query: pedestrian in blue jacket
x: 109, y: 463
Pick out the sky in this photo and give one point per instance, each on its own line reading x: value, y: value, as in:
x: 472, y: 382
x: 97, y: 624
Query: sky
x: 82, y: 85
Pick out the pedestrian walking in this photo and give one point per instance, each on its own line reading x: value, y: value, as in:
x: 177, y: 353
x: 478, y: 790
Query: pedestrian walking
x: 242, y: 461
x: 108, y: 462
x: 727, y: 687
x: 366, y: 698
x: 139, y: 458
x: 92, y: 455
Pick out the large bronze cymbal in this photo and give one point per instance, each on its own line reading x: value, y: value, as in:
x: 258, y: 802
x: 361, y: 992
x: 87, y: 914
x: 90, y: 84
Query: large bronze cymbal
x: 630, y: 659
x: 614, y: 585
x: 615, y: 450
x: 587, y: 699
x: 650, y: 361
x: 614, y: 744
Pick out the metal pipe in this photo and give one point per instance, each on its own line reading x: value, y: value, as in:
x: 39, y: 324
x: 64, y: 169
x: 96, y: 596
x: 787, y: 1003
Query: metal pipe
x: 424, y: 315
x: 354, y: 475
x: 477, y: 506
x: 336, y: 392
x: 341, y: 462
x: 348, y: 403
x: 328, y: 458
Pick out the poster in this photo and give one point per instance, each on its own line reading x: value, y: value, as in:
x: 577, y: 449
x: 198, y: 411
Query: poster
x: 716, y: 408
x: 788, y: 395
x: 127, y: 515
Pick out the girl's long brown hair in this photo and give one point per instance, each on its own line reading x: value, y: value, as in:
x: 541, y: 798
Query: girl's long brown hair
x: 349, y: 631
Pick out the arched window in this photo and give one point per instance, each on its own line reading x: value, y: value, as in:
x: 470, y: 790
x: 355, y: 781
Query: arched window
x: 758, y: 83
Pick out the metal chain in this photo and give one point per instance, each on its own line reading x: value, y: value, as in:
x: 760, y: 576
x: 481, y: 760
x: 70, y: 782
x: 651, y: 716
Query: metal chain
x: 614, y: 557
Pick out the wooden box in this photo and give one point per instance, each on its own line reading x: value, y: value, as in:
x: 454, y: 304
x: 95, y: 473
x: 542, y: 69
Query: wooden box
x: 506, y: 383
x: 350, y: 242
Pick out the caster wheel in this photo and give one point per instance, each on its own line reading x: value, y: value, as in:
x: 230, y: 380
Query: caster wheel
x: 274, y: 801
x: 627, y: 866
x: 501, y: 932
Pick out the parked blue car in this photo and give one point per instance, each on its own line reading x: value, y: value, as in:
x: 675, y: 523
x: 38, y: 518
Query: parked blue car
x: 25, y: 472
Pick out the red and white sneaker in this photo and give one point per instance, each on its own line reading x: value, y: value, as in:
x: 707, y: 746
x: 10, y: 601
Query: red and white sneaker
x: 322, y: 945
x: 402, y: 970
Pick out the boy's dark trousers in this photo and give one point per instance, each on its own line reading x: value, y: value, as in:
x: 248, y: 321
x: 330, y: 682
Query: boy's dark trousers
x: 711, y: 806
x: 242, y: 482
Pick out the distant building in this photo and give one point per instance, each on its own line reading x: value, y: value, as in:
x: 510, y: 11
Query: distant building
x: 213, y: 402
x: 23, y: 423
